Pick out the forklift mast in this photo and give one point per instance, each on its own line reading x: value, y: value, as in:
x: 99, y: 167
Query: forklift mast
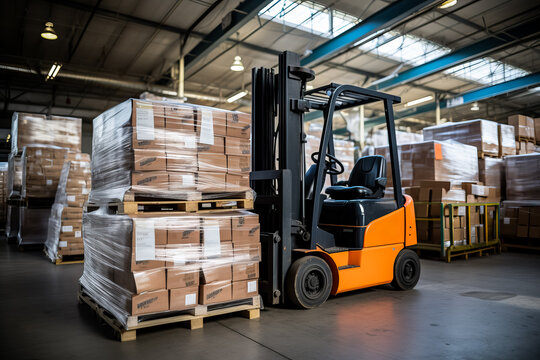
x: 289, y: 221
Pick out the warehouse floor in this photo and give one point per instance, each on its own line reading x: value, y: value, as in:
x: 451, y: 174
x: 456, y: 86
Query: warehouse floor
x: 480, y: 308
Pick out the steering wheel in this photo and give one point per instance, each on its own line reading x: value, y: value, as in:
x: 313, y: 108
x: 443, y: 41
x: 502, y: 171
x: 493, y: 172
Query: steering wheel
x: 332, y: 166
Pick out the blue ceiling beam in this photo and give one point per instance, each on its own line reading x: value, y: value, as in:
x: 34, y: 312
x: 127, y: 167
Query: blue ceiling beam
x: 237, y: 18
x: 465, y: 98
x: 480, y: 48
x: 383, y: 19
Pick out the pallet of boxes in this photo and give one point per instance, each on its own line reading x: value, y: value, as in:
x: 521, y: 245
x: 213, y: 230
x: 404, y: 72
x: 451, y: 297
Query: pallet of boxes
x: 454, y: 178
x: 521, y: 209
x: 3, y: 193
x: 167, y: 235
x: 39, y: 147
x: 64, y: 242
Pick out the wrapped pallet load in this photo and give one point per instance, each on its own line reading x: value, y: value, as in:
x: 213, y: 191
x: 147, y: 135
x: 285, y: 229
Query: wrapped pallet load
x: 65, y: 222
x: 482, y: 134
x: 171, y: 150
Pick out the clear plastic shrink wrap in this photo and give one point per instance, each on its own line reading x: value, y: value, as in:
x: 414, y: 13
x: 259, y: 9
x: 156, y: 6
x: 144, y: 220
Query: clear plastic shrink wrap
x: 62, y: 131
x: 343, y: 149
x: 139, y: 264
x: 433, y: 160
x: 169, y: 150
x: 14, y: 175
x: 523, y: 177
x: 42, y: 166
x: 483, y: 134
x: 65, y: 222
x: 507, y: 140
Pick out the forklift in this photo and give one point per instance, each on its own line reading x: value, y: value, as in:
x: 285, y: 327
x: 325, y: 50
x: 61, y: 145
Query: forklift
x: 351, y: 237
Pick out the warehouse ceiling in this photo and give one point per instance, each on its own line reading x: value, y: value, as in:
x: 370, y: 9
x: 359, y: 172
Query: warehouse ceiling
x: 114, y: 49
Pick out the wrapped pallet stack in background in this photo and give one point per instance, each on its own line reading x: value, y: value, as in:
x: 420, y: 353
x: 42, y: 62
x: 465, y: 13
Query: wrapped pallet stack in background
x: 39, y: 144
x: 164, y: 230
x: 525, y: 132
x: 3, y: 194
x: 64, y: 239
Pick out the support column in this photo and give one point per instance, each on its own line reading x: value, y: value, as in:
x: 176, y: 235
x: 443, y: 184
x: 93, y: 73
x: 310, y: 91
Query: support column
x: 362, y: 137
x: 437, y: 109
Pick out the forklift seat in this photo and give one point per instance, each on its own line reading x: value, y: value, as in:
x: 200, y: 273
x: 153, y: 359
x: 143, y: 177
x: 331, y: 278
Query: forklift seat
x: 367, y: 180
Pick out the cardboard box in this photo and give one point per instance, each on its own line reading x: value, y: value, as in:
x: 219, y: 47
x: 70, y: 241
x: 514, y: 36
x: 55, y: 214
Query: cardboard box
x: 185, y: 161
x: 183, y: 235
x: 146, y: 160
x: 213, y: 271
x: 217, y: 146
x: 239, y: 125
x: 147, y: 116
x: 209, y: 225
x: 215, y: 292
x: 235, y: 182
x: 245, y: 229
x: 182, y: 181
x: 247, y: 252
x: 140, y: 139
x: 182, y: 277
x: 210, y: 122
x: 523, y: 216
x: 72, y: 213
x: 211, y: 182
x: 138, y: 282
x: 184, y: 298
x: 238, y: 164
x: 534, y: 232
x: 245, y: 271
x: 150, y: 302
x: 507, y: 140
x: 179, y: 117
x: 509, y: 227
x: 212, y: 162
x: 237, y: 146
x: 244, y: 289
x: 522, y: 231
x: 147, y: 180
x: 534, y: 216
x: 180, y: 141
x: 537, y: 130
x: 71, y: 228
x: 521, y: 124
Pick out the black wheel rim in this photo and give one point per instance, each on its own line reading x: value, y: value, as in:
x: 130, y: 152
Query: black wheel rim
x: 409, y: 271
x: 314, y: 284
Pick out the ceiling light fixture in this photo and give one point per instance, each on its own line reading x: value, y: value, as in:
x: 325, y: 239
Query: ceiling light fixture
x: 475, y: 106
x: 237, y: 63
x: 447, y: 4
x: 419, y: 101
x: 55, y: 68
x: 237, y: 96
x: 48, y: 33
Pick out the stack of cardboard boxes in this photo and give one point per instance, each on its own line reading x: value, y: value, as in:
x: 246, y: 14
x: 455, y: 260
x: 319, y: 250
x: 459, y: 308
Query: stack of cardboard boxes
x: 525, y: 133
x: 146, y: 147
x: 521, y: 224
x: 154, y: 262
x: 65, y: 222
x: 145, y: 264
x: 344, y: 150
x: 3, y: 191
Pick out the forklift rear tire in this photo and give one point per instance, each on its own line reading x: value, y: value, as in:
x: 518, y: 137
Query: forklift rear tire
x: 406, y: 270
x: 309, y: 282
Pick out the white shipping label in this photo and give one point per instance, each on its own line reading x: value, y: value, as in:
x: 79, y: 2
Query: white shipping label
x: 78, y: 157
x: 461, y: 211
x: 145, y: 240
x: 38, y: 153
x: 77, y: 234
x: 85, y: 191
x: 188, y: 180
x: 190, y: 142
x: 49, y: 182
x: 207, y: 127
x: 252, y: 286
x: 481, y: 210
x: 506, y: 221
x: 191, y: 299
x: 71, y: 197
x: 144, y: 122
x: 212, y: 246
x: 67, y: 228
x: 62, y: 244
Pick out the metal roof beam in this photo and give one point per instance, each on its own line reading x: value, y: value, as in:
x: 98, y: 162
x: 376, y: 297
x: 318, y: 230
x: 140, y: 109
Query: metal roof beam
x: 465, y: 98
x: 237, y: 18
x: 385, y: 18
x: 480, y: 48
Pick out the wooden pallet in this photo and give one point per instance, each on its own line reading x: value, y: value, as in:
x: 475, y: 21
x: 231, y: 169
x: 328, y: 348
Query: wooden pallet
x: 175, y: 207
x: 483, y: 155
x: 131, y: 196
x: 432, y: 251
x: 70, y: 259
x: 249, y: 308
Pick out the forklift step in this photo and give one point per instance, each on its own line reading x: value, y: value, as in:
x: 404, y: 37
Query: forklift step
x: 336, y: 249
x: 344, y: 267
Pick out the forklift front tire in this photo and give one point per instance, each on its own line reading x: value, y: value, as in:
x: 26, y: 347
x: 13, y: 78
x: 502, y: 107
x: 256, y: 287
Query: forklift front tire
x: 406, y: 270
x: 309, y: 282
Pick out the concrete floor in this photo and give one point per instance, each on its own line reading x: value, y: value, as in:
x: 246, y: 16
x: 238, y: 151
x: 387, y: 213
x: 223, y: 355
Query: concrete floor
x: 475, y: 309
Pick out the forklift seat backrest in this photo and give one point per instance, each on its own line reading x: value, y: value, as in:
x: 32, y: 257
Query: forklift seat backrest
x: 367, y: 171
x: 367, y: 180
